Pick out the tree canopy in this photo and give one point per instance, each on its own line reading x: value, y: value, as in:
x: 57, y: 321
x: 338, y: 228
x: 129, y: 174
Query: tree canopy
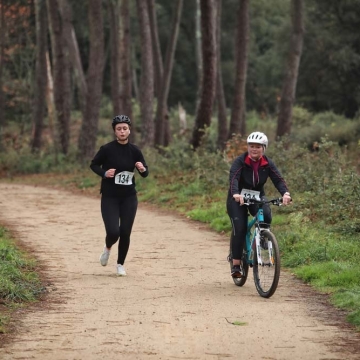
x: 328, y: 75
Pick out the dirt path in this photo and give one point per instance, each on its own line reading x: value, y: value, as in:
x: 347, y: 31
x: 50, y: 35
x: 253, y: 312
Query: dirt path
x: 177, y: 302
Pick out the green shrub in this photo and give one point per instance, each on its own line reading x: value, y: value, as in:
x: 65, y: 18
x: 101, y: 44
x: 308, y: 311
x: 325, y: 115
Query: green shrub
x: 308, y: 130
x: 18, y: 278
x: 301, y: 118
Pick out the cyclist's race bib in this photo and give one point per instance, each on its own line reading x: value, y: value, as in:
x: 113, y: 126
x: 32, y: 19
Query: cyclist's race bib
x: 250, y: 194
x: 124, y: 178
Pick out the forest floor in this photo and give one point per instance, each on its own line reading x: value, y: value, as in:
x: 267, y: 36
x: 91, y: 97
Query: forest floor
x: 178, y: 300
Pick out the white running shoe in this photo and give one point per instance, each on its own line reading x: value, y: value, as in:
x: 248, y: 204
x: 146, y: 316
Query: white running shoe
x: 104, y: 257
x: 120, y: 270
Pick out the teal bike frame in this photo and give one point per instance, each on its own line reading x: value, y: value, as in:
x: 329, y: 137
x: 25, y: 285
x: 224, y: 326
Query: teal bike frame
x: 253, y: 239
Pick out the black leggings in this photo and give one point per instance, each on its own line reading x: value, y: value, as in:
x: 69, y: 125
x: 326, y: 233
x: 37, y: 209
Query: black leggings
x: 239, y: 218
x: 118, y: 215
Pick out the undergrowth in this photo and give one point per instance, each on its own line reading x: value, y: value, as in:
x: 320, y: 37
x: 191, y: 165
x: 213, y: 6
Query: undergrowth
x: 19, y: 278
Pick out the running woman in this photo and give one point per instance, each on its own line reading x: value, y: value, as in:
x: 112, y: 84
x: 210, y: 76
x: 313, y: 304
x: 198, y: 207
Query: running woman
x: 115, y: 162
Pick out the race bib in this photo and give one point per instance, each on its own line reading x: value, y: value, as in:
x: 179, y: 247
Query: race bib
x: 124, y: 178
x: 250, y: 194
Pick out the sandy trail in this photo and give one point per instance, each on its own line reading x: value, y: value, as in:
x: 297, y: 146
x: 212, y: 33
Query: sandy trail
x: 177, y: 302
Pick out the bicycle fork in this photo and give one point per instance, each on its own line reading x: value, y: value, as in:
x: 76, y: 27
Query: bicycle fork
x: 258, y: 231
x: 269, y: 260
x: 257, y: 245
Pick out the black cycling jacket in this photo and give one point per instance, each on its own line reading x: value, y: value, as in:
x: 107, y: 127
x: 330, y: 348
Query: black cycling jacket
x: 242, y: 176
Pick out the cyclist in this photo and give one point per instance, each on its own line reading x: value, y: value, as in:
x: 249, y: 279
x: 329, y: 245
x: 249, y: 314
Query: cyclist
x: 115, y: 163
x: 248, y: 175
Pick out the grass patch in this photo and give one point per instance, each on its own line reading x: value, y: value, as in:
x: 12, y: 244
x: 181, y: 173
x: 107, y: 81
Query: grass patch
x: 331, y: 275
x: 19, y: 280
x: 341, y: 280
x: 214, y: 214
x: 349, y: 299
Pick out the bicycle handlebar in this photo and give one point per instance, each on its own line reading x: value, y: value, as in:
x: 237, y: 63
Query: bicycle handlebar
x: 276, y: 201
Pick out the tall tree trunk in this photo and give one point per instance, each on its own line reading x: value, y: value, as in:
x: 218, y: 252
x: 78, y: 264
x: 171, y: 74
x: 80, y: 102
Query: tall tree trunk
x: 135, y: 81
x: 158, y: 61
x: 220, y: 95
x: 115, y: 55
x: 40, y: 74
x: 147, y: 75
x: 199, y: 60
x: 87, y: 139
x: 125, y: 61
x: 161, y: 113
x: 2, y: 52
x: 203, y: 116
x: 74, y: 53
x: 50, y: 102
x: 61, y: 69
x: 237, y: 121
x: 292, y: 69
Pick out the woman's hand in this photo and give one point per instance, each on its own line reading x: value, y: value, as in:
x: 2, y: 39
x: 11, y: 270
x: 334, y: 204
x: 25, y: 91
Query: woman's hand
x: 239, y: 198
x: 110, y: 173
x: 139, y: 165
x: 286, y: 200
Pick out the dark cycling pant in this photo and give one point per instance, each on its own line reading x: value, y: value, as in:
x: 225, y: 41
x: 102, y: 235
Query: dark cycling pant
x: 118, y: 215
x: 239, y: 218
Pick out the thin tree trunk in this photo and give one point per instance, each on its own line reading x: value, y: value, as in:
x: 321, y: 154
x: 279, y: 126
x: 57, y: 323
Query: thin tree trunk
x: 158, y: 61
x: 199, y: 60
x: 147, y: 75
x: 79, y: 71
x: 2, y: 52
x: 61, y: 70
x: 74, y: 52
x: 125, y: 60
x: 50, y: 101
x: 220, y: 95
x: 135, y: 81
x: 237, y: 121
x: 115, y: 55
x: 161, y: 113
x: 204, y: 112
x: 292, y: 69
x: 40, y: 74
x: 87, y: 139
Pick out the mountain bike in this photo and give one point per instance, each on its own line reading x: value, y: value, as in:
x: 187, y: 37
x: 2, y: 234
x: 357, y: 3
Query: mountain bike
x: 261, y: 252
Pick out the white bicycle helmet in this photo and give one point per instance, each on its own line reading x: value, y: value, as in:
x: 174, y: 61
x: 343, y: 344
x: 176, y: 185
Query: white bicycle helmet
x: 258, y: 138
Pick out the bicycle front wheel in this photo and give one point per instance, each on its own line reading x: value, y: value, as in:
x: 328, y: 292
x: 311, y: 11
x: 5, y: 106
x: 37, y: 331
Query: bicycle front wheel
x: 267, y: 274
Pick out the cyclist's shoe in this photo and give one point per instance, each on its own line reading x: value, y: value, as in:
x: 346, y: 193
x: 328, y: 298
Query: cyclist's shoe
x: 229, y: 258
x: 104, y: 257
x: 237, y: 271
x: 120, y: 270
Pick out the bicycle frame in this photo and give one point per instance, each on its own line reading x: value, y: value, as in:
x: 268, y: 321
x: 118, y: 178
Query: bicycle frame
x: 253, y: 238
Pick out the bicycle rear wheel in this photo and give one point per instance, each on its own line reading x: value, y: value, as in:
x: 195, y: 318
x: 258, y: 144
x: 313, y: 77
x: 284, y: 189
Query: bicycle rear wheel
x: 240, y: 281
x: 266, y: 275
